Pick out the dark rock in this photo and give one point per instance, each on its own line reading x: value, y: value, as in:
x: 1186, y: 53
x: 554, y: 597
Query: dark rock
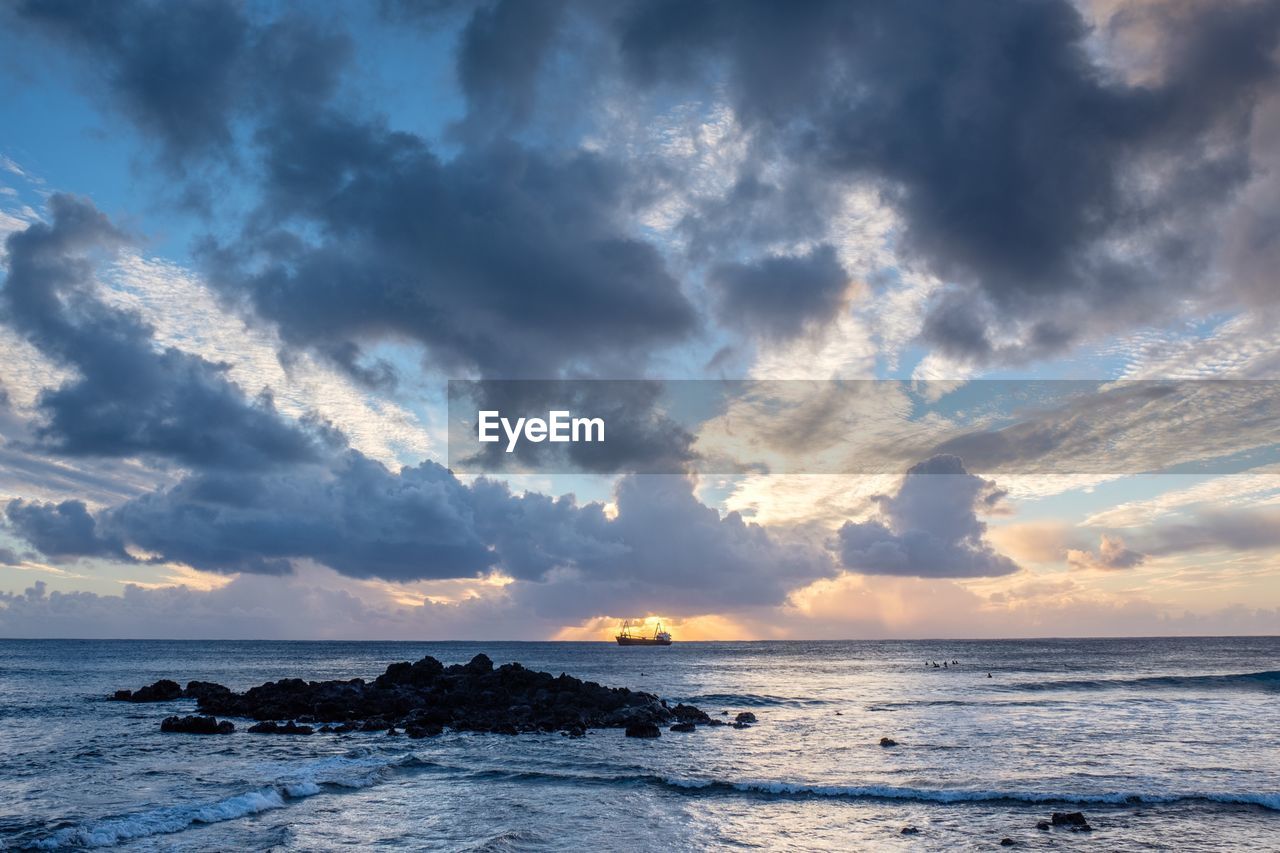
x: 683, y: 727
x: 1007, y: 842
x: 888, y: 741
x: 163, y: 690
x: 647, y: 730
x: 745, y: 717
x: 1071, y: 820
x: 289, y: 728
x: 909, y: 830
x: 392, y: 732
x: 738, y: 724
x: 480, y: 664
x: 689, y: 714
x: 197, y: 725
x: 1042, y: 824
x: 199, y: 689
x: 421, y: 730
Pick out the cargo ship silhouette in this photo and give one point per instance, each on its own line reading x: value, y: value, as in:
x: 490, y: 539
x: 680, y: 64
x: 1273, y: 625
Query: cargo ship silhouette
x: 626, y: 636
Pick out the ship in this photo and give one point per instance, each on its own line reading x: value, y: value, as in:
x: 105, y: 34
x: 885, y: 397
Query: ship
x: 626, y: 637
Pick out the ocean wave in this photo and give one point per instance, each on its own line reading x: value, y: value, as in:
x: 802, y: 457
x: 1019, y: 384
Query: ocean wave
x: 752, y: 700
x: 1269, y: 801
x: 783, y: 789
x: 1268, y: 680
x: 308, y: 780
x: 162, y: 821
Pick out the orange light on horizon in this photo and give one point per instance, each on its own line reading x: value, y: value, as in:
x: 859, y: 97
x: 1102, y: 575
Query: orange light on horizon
x: 706, y: 627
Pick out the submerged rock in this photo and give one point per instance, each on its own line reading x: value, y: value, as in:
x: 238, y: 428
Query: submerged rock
x: 289, y: 728
x: 197, y: 725
x: 1007, y: 842
x: 423, y: 697
x: 909, y: 830
x: 643, y: 730
x: 888, y: 741
x: 1071, y: 820
x: 421, y: 730
x: 683, y: 727
x: 745, y: 717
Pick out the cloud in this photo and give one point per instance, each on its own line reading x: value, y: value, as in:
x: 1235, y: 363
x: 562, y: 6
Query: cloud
x: 1236, y: 529
x: 503, y: 261
x: 350, y: 514
x: 314, y: 605
x: 128, y: 396
x: 1111, y: 555
x: 780, y: 296
x: 700, y: 562
x: 184, y: 73
x: 929, y: 528
x: 1058, y: 198
x: 502, y: 49
x: 63, y: 530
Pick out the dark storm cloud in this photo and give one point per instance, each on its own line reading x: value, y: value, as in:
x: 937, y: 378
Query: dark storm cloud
x: 930, y: 528
x: 352, y: 515
x: 63, y: 530
x: 506, y: 260
x: 1025, y: 172
x: 663, y: 547
x: 130, y: 397
x: 184, y: 71
x: 501, y: 52
x: 780, y: 296
x: 502, y: 259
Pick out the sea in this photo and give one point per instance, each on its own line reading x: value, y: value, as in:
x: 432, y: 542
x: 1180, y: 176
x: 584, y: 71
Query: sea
x: 1163, y: 744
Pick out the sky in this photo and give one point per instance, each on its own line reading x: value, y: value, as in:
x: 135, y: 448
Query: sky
x: 246, y: 245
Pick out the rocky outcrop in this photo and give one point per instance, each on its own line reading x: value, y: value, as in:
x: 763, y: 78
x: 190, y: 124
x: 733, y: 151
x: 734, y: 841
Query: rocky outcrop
x: 888, y: 741
x: 197, y: 725
x: 643, y: 730
x: 423, y: 697
x: 745, y: 717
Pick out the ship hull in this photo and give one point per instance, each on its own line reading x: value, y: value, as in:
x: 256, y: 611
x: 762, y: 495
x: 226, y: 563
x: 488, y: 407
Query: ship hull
x: 641, y: 641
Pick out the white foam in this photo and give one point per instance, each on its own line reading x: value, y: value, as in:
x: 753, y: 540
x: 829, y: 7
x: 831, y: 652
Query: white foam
x: 305, y: 781
x: 106, y: 833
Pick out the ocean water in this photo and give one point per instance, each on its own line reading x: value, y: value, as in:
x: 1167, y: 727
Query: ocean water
x: 1163, y: 743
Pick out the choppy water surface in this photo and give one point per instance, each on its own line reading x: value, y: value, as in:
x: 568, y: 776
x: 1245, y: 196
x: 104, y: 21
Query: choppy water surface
x: 1165, y: 744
